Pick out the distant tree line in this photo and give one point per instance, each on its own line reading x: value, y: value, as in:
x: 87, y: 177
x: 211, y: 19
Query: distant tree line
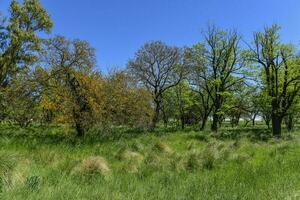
x: 55, y: 80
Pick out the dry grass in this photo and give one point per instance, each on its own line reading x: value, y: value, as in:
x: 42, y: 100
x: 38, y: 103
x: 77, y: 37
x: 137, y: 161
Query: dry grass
x: 93, y: 164
x: 163, y: 148
x: 133, y: 160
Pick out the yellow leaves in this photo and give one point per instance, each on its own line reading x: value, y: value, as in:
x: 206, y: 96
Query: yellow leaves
x: 46, y: 103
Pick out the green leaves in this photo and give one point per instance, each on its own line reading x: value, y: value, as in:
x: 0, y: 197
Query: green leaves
x: 19, y: 41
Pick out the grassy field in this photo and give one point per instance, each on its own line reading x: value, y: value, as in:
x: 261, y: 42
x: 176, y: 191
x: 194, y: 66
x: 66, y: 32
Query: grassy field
x: 48, y: 163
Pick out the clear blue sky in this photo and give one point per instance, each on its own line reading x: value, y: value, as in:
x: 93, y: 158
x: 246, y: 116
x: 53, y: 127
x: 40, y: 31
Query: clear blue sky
x: 117, y: 28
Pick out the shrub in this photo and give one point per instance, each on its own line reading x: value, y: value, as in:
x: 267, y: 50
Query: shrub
x: 93, y: 164
x: 208, y: 159
x: 193, y: 161
x: 130, y: 155
x: 133, y: 160
x: 262, y: 135
x: 163, y: 148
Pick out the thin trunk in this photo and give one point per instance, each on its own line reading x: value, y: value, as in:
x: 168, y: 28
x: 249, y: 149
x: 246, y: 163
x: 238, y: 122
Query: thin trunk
x: 268, y: 123
x: 289, y: 122
x: 253, y: 120
x: 232, y: 122
x: 182, y: 122
x: 238, y: 120
x: 267, y: 120
x: 203, y: 124
x: 221, y: 119
x: 165, y: 118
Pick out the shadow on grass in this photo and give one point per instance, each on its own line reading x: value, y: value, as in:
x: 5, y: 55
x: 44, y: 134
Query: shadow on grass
x: 59, y: 134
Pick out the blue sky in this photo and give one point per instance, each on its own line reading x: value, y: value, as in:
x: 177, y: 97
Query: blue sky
x: 117, y: 28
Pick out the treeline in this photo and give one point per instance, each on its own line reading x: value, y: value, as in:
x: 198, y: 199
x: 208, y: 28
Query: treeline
x: 55, y: 81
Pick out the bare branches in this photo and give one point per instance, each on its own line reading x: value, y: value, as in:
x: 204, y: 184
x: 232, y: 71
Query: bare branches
x: 159, y: 68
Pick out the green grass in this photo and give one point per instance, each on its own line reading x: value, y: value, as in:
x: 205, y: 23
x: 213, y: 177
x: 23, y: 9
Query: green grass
x: 48, y: 163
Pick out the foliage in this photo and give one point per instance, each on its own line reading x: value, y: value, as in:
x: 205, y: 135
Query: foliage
x: 19, y: 41
x: 214, y: 65
x: 21, y: 99
x: 125, y: 102
x: 280, y: 72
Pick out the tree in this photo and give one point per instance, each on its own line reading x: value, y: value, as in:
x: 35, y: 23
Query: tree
x: 195, y: 61
x: 21, y: 99
x: 126, y: 103
x: 216, y: 65
x: 159, y: 68
x: 19, y: 41
x: 240, y: 106
x: 262, y: 103
x: 280, y: 72
x: 180, y: 103
x: 292, y: 115
x: 73, y: 80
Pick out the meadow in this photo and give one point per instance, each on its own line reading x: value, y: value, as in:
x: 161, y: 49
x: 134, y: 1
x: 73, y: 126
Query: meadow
x: 211, y: 114
x: 238, y: 163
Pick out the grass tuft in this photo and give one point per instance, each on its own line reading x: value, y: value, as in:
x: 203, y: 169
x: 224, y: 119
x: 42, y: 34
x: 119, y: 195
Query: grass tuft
x: 93, y: 164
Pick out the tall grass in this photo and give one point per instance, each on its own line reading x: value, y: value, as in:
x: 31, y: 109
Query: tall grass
x: 50, y: 164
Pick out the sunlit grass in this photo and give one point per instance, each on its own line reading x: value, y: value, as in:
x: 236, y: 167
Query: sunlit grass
x: 34, y: 164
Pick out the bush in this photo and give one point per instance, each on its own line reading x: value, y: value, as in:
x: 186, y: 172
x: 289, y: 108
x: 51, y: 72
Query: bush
x: 193, y: 161
x: 262, y: 135
x: 163, y: 148
x: 93, y: 164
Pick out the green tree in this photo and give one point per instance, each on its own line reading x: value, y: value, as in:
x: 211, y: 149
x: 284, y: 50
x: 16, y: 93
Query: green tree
x: 216, y: 65
x: 180, y: 103
x: 19, y: 41
x: 195, y: 61
x: 21, y: 99
x: 126, y: 103
x: 280, y: 73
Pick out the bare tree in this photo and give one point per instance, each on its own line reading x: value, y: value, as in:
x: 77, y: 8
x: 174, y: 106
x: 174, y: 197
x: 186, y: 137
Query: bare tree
x: 159, y: 68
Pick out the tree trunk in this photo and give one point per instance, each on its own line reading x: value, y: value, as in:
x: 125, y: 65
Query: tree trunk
x: 165, y: 118
x: 203, y: 124
x: 182, y: 122
x: 220, y: 120
x: 267, y: 120
x: 156, y: 116
x: 232, y: 122
x: 268, y: 123
x: 276, y: 125
x: 78, y: 124
x: 289, y: 122
x: 80, y: 130
x: 214, y: 125
x: 253, y: 120
x: 182, y: 118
